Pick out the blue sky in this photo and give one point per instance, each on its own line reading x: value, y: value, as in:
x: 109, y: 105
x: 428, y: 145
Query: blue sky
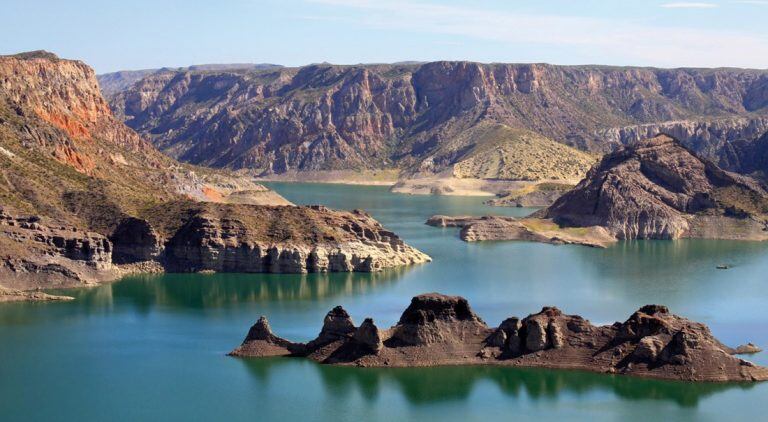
x: 140, y: 34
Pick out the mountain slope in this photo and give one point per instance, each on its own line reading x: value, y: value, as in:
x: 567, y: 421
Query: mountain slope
x: 64, y: 154
x: 499, y: 152
x: 84, y: 199
x: 325, y: 117
x: 657, y: 189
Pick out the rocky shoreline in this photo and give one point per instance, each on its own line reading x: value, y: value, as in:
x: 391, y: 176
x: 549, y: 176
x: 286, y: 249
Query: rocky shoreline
x: 198, y: 237
x: 485, y: 228
x: 438, y: 330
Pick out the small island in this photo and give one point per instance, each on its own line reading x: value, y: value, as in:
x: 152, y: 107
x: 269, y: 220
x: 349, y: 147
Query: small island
x: 438, y: 330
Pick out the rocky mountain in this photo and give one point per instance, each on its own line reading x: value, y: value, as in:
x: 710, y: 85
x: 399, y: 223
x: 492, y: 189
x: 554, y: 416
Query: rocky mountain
x: 658, y: 189
x: 64, y: 154
x: 81, y: 193
x: 443, y: 330
x: 363, y: 117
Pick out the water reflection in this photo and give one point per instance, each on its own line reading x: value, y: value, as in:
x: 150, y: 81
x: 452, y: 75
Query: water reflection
x: 197, y: 291
x: 425, y: 386
x: 221, y: 290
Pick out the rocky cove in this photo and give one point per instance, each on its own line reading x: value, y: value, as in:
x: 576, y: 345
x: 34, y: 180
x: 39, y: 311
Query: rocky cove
x: 440, y: 330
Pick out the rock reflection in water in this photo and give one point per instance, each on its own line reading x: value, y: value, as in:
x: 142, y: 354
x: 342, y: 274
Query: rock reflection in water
x: 424, y: 386
x: 219, y: 290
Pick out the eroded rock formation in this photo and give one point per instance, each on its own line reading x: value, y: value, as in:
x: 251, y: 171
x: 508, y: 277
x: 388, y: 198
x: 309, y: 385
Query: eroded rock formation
x: 231, y: 238
x: 443, y: 330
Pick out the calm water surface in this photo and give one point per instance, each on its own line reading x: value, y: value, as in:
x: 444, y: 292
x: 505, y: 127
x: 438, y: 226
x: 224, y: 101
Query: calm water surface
x: 152, y: 347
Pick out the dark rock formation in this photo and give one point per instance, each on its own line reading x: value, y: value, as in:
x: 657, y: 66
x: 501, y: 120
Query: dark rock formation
x: 435, y: 318
x: 657, y: 189
x: 749, y: 156
x: 260, y: 341
x: 325, y: 117
x: 134, y: 241
x: 443, y: 330
x: 368, y: 336
x: 337, y: 325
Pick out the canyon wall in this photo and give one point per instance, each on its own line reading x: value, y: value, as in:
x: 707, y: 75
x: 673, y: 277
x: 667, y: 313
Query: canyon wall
x: 325, y: 117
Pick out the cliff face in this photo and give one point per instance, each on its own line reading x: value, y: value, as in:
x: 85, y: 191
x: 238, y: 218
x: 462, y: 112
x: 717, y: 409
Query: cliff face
x: 324, y: 117
x: 443, y: 330
x: 729, y: 142
x: 657, y: 189
x: 232, y: 238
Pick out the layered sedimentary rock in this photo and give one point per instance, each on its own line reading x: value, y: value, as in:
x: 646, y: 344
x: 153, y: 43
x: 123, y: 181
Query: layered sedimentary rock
x: 658, y: 189
x: 231, y: 238
x: 191, y: 237
x: 443, y: 330
x: 476, y: 229
x: 410, y: 116
x: 37, y: 251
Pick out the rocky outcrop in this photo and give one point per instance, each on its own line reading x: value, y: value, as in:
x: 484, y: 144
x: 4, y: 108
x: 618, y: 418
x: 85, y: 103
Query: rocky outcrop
x: 230, y: 238
x: 135, y: 240
x: 188, y: 237
x: 748, y: 156
x: 410, y: 116
x: 443, y: 330
x: 63, y: 154
x: 37, y: 252
x: 658, y: 189
x: 476, y: 229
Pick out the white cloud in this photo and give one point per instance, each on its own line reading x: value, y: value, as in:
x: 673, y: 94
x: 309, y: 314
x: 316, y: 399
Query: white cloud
x: 689, y: 5
x: 633, y: 42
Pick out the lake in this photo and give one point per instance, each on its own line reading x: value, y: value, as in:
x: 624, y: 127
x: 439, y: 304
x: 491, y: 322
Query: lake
x: 153, y: 347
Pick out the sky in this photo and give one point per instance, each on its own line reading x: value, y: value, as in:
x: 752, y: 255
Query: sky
x: 141, y: 34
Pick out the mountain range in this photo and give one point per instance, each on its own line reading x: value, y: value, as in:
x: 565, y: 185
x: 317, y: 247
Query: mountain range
x: 418, y: 118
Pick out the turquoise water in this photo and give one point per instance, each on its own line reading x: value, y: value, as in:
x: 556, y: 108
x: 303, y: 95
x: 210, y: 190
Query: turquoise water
x: 153, y: 347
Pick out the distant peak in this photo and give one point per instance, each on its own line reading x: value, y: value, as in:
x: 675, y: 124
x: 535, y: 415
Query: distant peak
x: 36, y: 54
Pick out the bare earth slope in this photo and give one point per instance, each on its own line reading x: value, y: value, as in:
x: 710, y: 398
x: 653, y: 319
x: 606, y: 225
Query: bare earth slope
x: 443, y: 330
